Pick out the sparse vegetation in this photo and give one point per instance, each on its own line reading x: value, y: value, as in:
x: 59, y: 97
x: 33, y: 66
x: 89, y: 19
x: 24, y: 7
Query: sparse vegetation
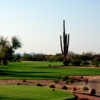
x: 39, y: 84
x: 65, y: 78
x: 96, y: 61
x: 69, y: 81
x: 84, y: 99
x: 93, y: 92
x: 65, y: 87
x: 52, y: 86
x: 56, y: 81
x: 85, y: 88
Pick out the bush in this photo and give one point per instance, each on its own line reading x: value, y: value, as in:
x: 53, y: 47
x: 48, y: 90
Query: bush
x: 85, y: 88
x: 74, y: 89
x: 52, y: 86
x: 65, y: 87
x: 96, y: 61
x: 65, y: 78
x: 26, y: 57
x: 24, y: 81
x: 56, y: 81
x: 85, y: 63
x: 84, y: 99
x: 67, y: 62
x: 93, y: 92
x: 70, y: 81
x: 72, y: 98
x: 76, y: 62
x: 19, y: 84
x: 38, y: 84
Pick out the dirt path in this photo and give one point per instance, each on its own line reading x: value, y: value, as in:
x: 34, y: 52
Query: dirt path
x: 85, y: 77
x: 47, y: 83
x: 25, y: 82
x: 84, y: 96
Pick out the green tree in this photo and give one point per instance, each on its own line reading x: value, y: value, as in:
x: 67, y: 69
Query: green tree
x: 4, y: 47
x: 14, y: 45
x: 7, y: 49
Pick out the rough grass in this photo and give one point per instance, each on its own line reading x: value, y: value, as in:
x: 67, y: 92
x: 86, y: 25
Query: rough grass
x: 22, y: 92
x: 40, y: 70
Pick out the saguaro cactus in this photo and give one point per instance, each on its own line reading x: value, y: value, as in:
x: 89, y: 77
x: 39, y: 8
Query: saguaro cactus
x: 64, y: 43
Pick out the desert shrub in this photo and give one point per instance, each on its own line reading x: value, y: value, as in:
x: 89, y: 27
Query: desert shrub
x: 70, y: 81
x: 96, y: 61
x: 65, y: 78
x: 93, y: 92
x: 71, y: 99
x: 24, y: 80
x: 74, y: 89
x: 57, y: 57
x: 76, y: 62
x: 85, y: 63
x: 86, y: 56
x: 84, y: 99
x: 85, y: 88
x: 52, y: 58
x: 26, y: 57
x: 56, y: 81
x: 65, y: 87
x: 52, y: 86
x: 67, y: 62
x: 39, y: 84
x: 18, y: 83
x: 40, y: 57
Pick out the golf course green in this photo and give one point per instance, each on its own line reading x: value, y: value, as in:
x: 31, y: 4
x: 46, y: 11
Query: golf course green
x: 42, y: 70
x: 22, y: 92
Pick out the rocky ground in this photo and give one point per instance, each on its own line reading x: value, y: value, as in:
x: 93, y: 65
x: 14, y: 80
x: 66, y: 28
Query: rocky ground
x: 76, y: 89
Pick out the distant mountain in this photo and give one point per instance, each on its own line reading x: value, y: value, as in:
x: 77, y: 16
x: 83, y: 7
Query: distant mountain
x: 32, y: 54
x: 22, y: 54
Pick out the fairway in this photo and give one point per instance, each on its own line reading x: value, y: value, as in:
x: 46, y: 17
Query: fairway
x: 14, y: 92
x: 40, y: 70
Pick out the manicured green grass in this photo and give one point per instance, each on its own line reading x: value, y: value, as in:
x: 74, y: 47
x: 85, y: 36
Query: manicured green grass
x: 22, y: 92
x: 40, y: 70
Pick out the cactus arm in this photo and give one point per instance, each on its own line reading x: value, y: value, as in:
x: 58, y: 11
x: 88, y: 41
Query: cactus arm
x: 65, y: 48
x: 61, y: 45
x: 67, y: 44
x: 68, y: 40
x: 64, y: 38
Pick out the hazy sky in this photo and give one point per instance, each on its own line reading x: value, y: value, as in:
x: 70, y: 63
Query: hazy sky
x: 38, y: 24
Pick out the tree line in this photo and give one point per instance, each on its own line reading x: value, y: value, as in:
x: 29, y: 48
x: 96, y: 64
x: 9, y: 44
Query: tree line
x: 73, y: 59
x: 8, y: 48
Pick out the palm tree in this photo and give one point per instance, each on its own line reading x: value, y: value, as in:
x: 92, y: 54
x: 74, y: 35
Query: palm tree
x: 7, y: 49
x: 15, y: 43
x: 4, y: 47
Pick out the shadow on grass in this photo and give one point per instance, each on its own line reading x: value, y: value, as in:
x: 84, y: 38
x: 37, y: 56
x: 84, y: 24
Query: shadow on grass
x: 9, y: 98
x: 28, y: 75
